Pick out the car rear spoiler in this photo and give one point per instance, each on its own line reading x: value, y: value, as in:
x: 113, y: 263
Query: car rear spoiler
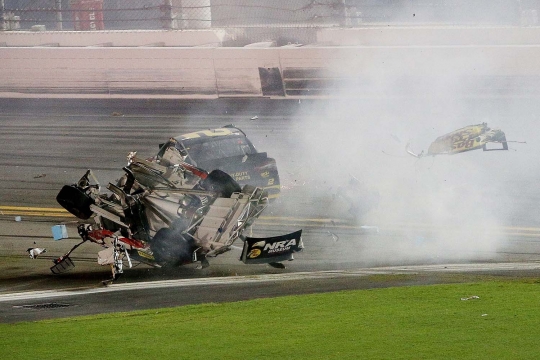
x: 272, y: 249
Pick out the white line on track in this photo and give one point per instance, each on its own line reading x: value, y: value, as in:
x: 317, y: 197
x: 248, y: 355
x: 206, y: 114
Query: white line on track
x: 47, y: 294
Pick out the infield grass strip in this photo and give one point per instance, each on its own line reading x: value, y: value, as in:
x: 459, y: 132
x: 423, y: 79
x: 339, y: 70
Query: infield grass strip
x: 420, y: 322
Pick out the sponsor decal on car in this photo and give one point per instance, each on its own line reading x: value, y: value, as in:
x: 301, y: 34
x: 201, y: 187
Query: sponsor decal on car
x: 259, y: 244
x: 254, y: 253
x: 145, y: 255
x: 280, y: 246
x: 241, y: 176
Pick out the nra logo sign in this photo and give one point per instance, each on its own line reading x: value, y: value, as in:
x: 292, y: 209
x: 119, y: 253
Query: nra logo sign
x: 279, y: 246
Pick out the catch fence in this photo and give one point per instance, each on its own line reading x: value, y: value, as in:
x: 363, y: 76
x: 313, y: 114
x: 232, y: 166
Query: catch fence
x: 90, y: 15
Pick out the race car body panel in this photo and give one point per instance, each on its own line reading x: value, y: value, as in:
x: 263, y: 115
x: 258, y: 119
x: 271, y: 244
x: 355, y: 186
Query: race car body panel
x: 466, y: 139
x: 273, y: 249
x: 469, y: 138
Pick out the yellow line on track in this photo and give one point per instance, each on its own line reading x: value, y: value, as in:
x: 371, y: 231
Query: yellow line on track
x: 282, y: 220
x: 36, y: 214
x: 32, y: 209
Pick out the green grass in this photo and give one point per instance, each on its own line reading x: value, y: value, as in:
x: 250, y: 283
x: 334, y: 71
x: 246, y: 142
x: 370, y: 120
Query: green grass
x: 420, y: 322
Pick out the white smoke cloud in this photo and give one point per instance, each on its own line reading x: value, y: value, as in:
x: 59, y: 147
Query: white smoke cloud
x: 449, y: 208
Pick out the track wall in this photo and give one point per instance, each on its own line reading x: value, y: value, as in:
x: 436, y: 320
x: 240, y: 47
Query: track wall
x: 273, y: 72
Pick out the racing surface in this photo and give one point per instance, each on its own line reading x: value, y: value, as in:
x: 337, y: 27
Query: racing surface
x: 467, y: 208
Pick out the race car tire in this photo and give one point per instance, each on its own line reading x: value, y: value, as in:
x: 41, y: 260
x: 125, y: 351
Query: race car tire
x: 75, y: 201
x: 170, y: 248
x: 221, y: 183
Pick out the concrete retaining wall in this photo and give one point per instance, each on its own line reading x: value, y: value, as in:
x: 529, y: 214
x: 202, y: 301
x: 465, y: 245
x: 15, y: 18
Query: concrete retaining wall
x: 429, y: 36
x: 290, y: 72
x: 125, y: 38
x: 362, y: 36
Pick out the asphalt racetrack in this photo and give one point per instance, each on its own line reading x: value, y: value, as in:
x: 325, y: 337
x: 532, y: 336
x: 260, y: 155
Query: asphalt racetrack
x: 46, y: 144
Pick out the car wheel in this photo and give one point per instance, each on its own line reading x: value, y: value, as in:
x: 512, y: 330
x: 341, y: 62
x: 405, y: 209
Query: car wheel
x: 170, y: 248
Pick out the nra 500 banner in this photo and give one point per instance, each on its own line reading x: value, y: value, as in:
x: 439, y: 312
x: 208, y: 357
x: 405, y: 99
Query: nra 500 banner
x: 273, y: 249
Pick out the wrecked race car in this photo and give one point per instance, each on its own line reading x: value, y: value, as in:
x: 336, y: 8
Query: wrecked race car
x: 227, y: 149
x: 165, y: 212
x: 469, y: 138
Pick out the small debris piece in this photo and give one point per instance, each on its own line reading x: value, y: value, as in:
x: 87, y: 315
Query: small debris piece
x: 39, y: 176
x: 117, y: 113
x: 59, y: 232
x: 370, y: 228
x: 18, y: 218
x: 34, y: 252
x: 62, y: 264
x: 204, y: 264
x: 254, y: 117
x: 470, y: 297
x: 484, y: 314
x: 334, y: 236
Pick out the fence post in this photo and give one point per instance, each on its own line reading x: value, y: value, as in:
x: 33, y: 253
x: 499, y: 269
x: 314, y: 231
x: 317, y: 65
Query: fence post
x: 58, y: 14
x: 343, y: 18
x: 2, y: 13
x: 198, y: 17
x: 169, y: 19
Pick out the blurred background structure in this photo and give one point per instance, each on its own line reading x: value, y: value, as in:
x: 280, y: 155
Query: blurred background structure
x: 95, y: 15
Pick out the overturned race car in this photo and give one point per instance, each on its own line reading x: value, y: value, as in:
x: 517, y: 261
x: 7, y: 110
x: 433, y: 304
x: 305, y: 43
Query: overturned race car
x: 165, y: 212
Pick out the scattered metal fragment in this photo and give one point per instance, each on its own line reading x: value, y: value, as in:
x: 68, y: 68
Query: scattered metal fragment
x: 470, y: 298
x: 334, y: 236
x: 18, y: 218
x: 254, y: 117
x: 39, y: 176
